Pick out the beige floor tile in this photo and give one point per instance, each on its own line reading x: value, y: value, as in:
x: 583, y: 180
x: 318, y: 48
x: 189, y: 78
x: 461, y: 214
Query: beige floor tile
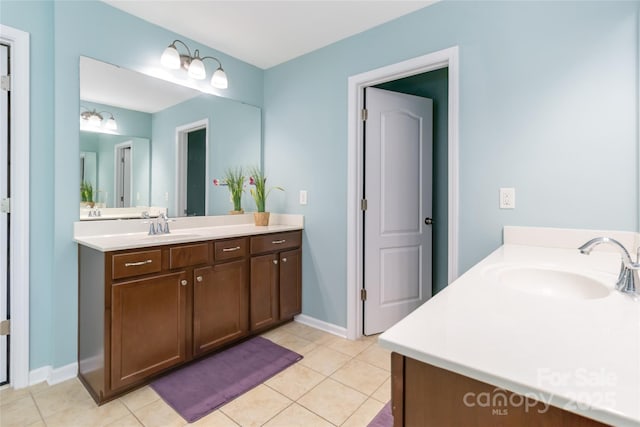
x: 67, y: 395
x: 39, y: 423
x: 127, y: 421
x: 139, y: 398
x: 297, y: 328
x: 383, y: 393
x: 95, y: 417
x: 376, y: 356
x: 159, y: 414
x: 361, y: 376
x: 295, y: 381
x: 297, y: 344
x: 215, y: 419
x: 319, y: 337
x: 19, y: 412
x: 256, y: 407
x: 297, y: 416
x: 325, y: 360
x: 275, y: 335
x: 332, y: 401
x: 364, y: 414
x: 10, y: 394
x: 350, y: 347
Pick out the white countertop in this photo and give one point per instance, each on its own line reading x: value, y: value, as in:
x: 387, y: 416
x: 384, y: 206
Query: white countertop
x: 582, y: 355
x: 116, y: 235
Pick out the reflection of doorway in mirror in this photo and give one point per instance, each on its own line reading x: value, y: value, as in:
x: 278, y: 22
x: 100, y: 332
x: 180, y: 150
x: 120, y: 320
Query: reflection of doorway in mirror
x: 192, y: 171
x: 123, y: 182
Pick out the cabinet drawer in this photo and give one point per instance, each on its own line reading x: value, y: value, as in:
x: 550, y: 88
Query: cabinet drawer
x: 228, y: 249
x: 136, y: 263
x: 275, y: 242
x: 186, y: 255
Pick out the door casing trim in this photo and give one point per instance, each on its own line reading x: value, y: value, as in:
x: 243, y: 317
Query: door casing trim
x: 181, y: 160
x: 19, y: 233
x: 446, y: 58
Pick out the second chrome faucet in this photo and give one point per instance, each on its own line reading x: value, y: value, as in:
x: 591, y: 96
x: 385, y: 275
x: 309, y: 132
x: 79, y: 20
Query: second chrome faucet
x: 628, y: 280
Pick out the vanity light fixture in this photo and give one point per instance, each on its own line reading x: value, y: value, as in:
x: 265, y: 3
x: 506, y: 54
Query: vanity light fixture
x: 194, y: 64
x: 96, y: 119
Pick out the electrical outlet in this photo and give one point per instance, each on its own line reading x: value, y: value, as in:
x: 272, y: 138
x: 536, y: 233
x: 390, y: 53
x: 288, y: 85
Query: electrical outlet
x: 303, y: 197
x: 507, y: 198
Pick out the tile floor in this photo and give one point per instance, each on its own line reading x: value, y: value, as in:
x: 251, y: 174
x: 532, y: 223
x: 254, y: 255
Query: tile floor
x: 337, y: 383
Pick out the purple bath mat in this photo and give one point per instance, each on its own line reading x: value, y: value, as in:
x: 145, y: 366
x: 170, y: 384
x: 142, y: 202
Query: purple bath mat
x: 205, y: 385
x: 384, y: 417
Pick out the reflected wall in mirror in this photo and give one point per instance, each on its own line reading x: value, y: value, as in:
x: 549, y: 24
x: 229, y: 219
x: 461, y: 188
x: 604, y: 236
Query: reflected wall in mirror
x: 156, y: 119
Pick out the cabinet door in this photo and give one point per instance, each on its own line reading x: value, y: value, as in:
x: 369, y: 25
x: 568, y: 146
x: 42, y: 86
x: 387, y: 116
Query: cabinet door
x: 264, y: 290
x: 148, y: 326
x: 290, y: 283
x: 220, y: 305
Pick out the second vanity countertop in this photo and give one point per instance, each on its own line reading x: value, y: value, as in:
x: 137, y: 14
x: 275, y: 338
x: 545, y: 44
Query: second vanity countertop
x: 580, y: 354
x: 116, y: 235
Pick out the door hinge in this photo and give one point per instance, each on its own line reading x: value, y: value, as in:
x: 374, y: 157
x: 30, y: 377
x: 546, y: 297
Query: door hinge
x: 363, y: 204
x: 364, y: 114
x: 5, y: 205
x: 363, y: 294
x: 5, y: 327
x: 5, y: 83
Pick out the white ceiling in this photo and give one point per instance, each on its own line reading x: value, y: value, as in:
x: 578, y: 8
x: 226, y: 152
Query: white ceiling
x: 266, y: 33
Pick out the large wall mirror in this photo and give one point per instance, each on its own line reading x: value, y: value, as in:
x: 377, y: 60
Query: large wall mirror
x: 164, y: 146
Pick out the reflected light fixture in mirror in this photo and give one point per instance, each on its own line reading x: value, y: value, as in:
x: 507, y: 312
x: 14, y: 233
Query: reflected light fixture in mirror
x: 95, y: 119
x: 194, y: 64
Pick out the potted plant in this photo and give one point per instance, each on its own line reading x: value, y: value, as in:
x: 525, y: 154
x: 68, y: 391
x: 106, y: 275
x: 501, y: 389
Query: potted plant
x: 260, y: 194
x: 234, y: 179
x: 86, y: 193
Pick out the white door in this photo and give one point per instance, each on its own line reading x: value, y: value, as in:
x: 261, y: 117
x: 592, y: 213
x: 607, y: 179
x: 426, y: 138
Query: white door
x: 4, y: 217
x: 398, y: 189
x: 123, y: 175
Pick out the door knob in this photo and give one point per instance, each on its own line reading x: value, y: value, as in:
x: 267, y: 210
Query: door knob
x: 428, y: 221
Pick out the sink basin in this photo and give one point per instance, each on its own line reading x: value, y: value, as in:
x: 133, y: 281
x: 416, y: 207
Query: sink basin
x: 553, y: 283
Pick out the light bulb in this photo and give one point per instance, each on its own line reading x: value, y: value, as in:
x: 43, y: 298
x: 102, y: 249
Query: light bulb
x: 111, y: 124
x: 196, y: 69
x: 219, y: 79
x: 95, y: 119
x: 170, y: 58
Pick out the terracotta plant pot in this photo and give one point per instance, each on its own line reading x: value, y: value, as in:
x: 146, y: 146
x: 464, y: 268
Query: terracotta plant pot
x: 241, y: 211
x: 261, y: 218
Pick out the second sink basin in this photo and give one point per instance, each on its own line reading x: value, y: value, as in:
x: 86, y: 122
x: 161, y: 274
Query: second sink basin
x: 552, y: 283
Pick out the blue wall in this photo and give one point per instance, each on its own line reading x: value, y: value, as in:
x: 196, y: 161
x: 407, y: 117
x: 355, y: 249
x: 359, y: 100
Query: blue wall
x: 548, y: 105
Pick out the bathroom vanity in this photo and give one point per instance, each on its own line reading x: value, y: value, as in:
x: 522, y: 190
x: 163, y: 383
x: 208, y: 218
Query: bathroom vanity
x: 150, y: 303
x: 534, y: 334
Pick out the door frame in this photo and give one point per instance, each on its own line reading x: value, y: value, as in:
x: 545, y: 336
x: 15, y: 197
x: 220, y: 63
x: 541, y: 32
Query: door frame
x: 446, y: 58
x: 181, y: 165
x: 117, y: 168
x: 19, y: 233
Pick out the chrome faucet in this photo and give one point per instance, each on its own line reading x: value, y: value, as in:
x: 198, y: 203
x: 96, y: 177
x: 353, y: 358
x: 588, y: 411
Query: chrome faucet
x: 163, y: 228
x: 628, y: 280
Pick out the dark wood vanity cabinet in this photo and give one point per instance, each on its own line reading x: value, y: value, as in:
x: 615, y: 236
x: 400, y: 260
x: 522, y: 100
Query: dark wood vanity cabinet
x: 148, y: 318
x: 276, y: 278
x: 145, y: 311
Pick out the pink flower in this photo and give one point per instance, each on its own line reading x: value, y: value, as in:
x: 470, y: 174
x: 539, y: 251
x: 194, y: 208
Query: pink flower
x: 216, y: 182
x: 252, y: 181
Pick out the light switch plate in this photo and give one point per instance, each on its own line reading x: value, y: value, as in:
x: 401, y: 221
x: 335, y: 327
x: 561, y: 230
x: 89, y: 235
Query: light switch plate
x: 507, y: 198
x: 303, y: 197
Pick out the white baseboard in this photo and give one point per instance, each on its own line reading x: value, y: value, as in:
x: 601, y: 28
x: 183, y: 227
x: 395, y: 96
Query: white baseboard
x: 322, y: 325
x: 53, y: 375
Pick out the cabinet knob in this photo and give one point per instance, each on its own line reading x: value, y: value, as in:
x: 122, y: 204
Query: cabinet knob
x: 183, y: 282
x: 199, y: 278
x: 284, y: 260
x: 275, y: 261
